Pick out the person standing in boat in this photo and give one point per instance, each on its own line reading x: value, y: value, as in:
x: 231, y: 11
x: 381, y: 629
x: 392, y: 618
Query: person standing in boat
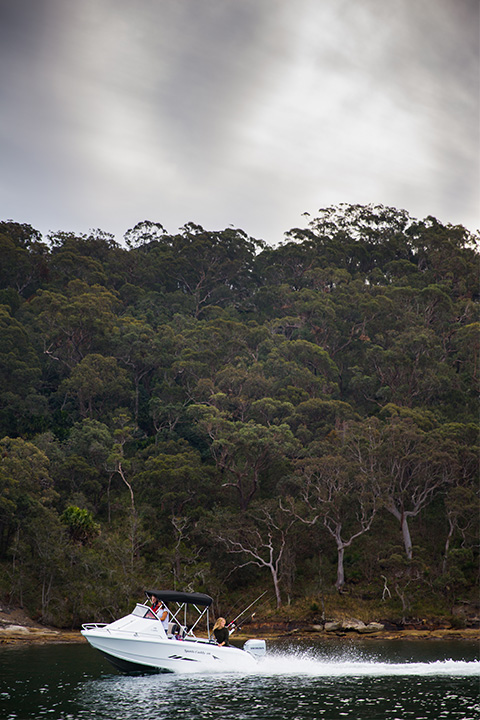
x: 161, y: 611
x: 221, y: 632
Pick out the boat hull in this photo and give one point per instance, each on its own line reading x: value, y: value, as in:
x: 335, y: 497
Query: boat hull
x: 130, y: 668
x: 133, y: 654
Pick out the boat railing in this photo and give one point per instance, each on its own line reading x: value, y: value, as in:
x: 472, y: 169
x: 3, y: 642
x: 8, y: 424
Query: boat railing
x: 94, y: 626
x: 177, y: 629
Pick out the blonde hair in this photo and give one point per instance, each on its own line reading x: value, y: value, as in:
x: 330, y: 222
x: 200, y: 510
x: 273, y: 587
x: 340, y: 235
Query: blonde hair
x: 217, y: 624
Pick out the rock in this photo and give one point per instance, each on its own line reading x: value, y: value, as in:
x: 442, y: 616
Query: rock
x: 353, y: 625
x: 372, y: 627
x: 333, y: 626
x: 15, y: 629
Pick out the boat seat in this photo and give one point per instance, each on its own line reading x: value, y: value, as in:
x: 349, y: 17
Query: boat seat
x: 175, y: 630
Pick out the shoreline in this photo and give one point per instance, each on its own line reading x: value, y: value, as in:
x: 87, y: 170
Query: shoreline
x: 29, y: 635
x: 17, y: 628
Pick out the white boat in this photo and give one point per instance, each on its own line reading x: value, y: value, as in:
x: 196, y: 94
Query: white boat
x: 138, y: 642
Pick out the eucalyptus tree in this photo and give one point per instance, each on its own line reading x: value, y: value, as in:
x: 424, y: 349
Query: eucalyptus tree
x: 205, y: 346
x: 260, y: 538
x: 207, y: 267
x: 244, y: 452
x: 145, y: 352
x: 123, y: 432
x: 410, y: 368
x: 28, y: 521
x: 461, y: 498
x: 356, y: 238
x: 409, y: 464
x: 462, y: 509
x: 446, y: 254
x: 288, y: 264
x: 79, y: 465
x: 332, y: 490
x: 316, y: 418
x: 407, y: 575
x: 98, y: 385
x: 222, y: 363
x: 21, y: 402
x: 173, y: 483
x: 68, y: 261
x: 466, y: 357
x: 123, y: 464
x: 24, y: 258
x: 75, y: 323
x: 94, y: 258
x: 300, y: 364
x: 173, y: 490
x: 214, y: 268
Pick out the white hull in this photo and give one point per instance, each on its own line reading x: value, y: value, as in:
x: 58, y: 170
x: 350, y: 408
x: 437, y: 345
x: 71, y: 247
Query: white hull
x: 178, y: 656
x: 136, y: 644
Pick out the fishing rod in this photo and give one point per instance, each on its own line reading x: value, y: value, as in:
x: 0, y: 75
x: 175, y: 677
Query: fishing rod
x: 232, y: 624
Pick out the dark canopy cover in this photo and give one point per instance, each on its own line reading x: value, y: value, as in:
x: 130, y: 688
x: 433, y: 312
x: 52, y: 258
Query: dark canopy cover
x: 180, y: 597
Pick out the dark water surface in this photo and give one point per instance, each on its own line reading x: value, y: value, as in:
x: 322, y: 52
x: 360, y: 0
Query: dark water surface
x: 394, y: 680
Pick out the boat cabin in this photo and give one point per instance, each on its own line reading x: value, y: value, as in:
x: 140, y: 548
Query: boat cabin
x: 178, y: 623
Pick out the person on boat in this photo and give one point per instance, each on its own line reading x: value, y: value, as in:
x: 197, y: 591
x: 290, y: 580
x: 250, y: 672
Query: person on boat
x: 221, y: 632
x: 161, y: 611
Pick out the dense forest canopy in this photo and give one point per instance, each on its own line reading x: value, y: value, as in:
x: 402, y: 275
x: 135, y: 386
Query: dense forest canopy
x: 204, y: 412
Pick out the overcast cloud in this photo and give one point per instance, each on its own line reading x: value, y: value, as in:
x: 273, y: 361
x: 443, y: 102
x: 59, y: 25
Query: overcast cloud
x: 243, y: 112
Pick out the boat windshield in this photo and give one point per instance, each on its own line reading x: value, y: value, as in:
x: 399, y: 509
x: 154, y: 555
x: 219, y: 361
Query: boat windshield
x: 144, y: 611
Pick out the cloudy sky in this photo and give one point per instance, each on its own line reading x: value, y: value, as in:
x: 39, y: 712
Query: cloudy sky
x: 242, y: 112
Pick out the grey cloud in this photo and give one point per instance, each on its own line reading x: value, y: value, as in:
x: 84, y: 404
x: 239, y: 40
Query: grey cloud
x: 243, y: 111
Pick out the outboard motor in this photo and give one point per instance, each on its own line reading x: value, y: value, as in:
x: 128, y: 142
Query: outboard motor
x: 256, y: 648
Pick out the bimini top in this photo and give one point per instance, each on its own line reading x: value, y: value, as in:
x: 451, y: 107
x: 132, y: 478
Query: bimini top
x: 181, y: 597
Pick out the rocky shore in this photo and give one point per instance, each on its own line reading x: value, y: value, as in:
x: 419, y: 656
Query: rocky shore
x: 17, y: 628
x: 351, y: 628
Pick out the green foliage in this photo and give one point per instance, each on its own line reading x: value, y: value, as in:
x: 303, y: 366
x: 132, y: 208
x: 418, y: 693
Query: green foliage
x: 80, y: 524
x: 166, y: 404
x: 20, y: 376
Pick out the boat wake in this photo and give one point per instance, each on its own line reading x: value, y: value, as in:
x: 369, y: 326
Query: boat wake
x: 308, y: 665
x: 291, y: 685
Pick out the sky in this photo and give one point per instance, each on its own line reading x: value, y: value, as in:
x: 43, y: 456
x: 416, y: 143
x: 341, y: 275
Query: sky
x: 244, y: 113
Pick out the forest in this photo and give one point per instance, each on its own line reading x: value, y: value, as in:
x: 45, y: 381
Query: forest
x: 201, y: 411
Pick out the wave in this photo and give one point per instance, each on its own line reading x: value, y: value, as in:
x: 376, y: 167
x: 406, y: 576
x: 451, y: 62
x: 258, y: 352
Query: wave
x: 289, y: 664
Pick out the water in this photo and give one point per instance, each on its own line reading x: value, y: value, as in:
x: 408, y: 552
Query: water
x: 329, y: 680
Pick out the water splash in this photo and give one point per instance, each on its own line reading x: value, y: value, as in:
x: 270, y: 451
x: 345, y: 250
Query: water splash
x: 290, y: 664
x: 296, y: 683
x: 298, y: 663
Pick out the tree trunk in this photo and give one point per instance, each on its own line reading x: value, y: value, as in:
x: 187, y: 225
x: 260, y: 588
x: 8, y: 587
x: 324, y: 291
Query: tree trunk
x: 46, y: 588
x: 137, y: 394
x: 402, y: 518
x: 276, y: 585
x: 123, y: 476
x: 447, y: 545
x: 340, y: 570
x: 407, y: 541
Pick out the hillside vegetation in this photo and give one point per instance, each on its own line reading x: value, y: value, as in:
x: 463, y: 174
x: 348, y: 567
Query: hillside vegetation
x: 203, y: 412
